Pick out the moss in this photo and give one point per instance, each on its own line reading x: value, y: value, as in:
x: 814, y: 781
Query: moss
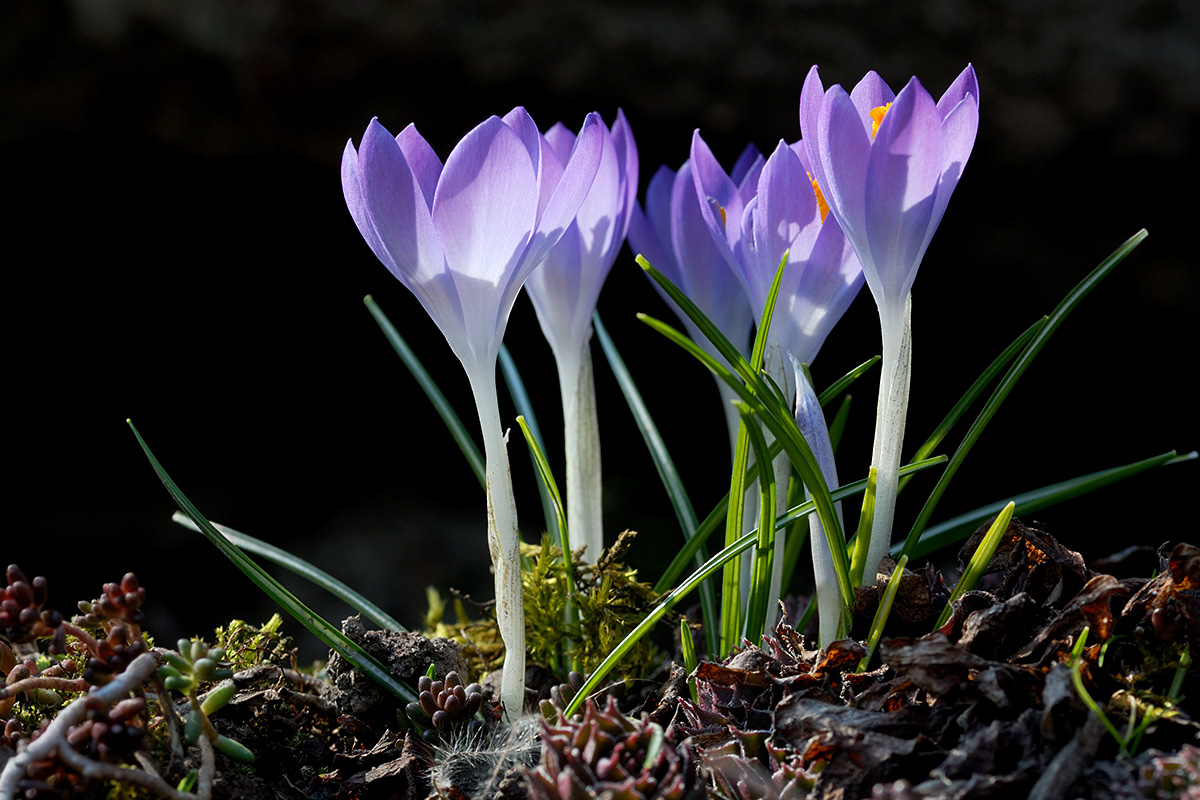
x: 608, y: 601
x: 247, y: 645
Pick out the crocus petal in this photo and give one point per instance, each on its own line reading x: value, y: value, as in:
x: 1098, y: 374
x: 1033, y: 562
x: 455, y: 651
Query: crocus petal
x: 527, y: 131
x: 902, y: 177
x: 841, y: 153
x: 868, y: 94
x: 357, y: 203
x: 627, y: 155
x: 722, y: 200
x: 822, y: 296
x: 566, y: 287
x: 425, y: 165
x: 964, y: 86
x: 720, y: 204
x: 812, y: 98
x: 746, y: 170
x: 786, y: 207
x: 396, y: 205
x: 578, y: 174
x: 561, y: 139
x: 650, y: 230
x: 484, y: 211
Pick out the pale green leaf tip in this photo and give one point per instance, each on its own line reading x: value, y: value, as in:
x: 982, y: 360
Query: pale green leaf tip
x: 642, y: 262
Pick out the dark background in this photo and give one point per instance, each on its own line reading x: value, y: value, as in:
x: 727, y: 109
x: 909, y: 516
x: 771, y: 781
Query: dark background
x: 178, y: 252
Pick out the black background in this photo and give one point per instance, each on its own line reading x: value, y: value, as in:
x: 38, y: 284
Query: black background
x: 177, y: 251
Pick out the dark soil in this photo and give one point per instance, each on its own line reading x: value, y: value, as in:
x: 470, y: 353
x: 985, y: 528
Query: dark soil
x: 992, y: 704
x: 986, y: 706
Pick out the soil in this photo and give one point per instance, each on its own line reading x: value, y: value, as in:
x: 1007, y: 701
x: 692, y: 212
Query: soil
x: 988, y: 705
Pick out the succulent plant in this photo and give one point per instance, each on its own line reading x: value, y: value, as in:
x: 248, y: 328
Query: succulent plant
x: 112, y: 654
x: 561, y: 696
x: 748, y: 766
x: 119, y: 603
x: 21, y: 616
x: 606, y: 754
x: 446, y: 704
x: 108, y: 734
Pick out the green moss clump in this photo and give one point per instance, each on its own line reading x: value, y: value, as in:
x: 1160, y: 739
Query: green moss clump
x: 247, y: 645
x: 608, y: 603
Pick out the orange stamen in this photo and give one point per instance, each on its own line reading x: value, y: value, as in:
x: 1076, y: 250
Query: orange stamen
x: 822, y: 206
x: 877, y: 118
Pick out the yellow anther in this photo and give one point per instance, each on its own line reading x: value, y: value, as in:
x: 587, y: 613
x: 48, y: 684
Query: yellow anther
x: 721, y: 208
x: 877, y: 117
x: 822, y: 206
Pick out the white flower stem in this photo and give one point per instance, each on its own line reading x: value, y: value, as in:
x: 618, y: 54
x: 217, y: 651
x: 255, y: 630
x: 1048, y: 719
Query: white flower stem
x: 504, y: 541
x: 810, y: 419
x: 582, y: 443
x: 889, y: 428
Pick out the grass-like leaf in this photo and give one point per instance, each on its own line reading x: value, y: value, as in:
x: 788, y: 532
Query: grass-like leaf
x: 684, y: 510
x: 795, y: 535
x: 457, y: 430
x: 731, y: 588
x: 1076, y: 665
x: 794, y: 514
x: 954, y: 530
x: 731, y: 577
x: 560, y: 511
x: 979, y: 561
x: 838, y: 426
x: 764, y: 551
x: 762, y: 396
x: 520, y: 398
x: 843, y: 383
x: 973, y: 392
x: 779, y: 421
x: 728, y: 351
x: 319, y: 627
x: 879, y: 622
x: 304, y: 569
x: 866, y: 517
x: 665, y: 604
x: 1073, y: 298
x: 687, y: 646
x: 710, y: 567
x: 798, y: 512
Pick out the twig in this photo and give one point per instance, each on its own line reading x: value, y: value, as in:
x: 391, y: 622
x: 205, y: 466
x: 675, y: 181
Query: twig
x: 114, y: 772
x: 85, y: 638
x: 55, y: 736
x: 43, y: 682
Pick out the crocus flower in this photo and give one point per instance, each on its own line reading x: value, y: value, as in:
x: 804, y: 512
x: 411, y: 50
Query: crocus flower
x: 672, y: 235
x: 786, y: 215
x: 888, y: 164
x: 564, y: 290
x: 463, y: 238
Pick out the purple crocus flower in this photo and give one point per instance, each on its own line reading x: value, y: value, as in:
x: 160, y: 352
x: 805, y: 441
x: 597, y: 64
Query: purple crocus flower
x: 672, y: 235
x: 564, y: 291
x: 786, y: 216
x: 781, y: 213
x: 463, y: 238
x: 888, y: 164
